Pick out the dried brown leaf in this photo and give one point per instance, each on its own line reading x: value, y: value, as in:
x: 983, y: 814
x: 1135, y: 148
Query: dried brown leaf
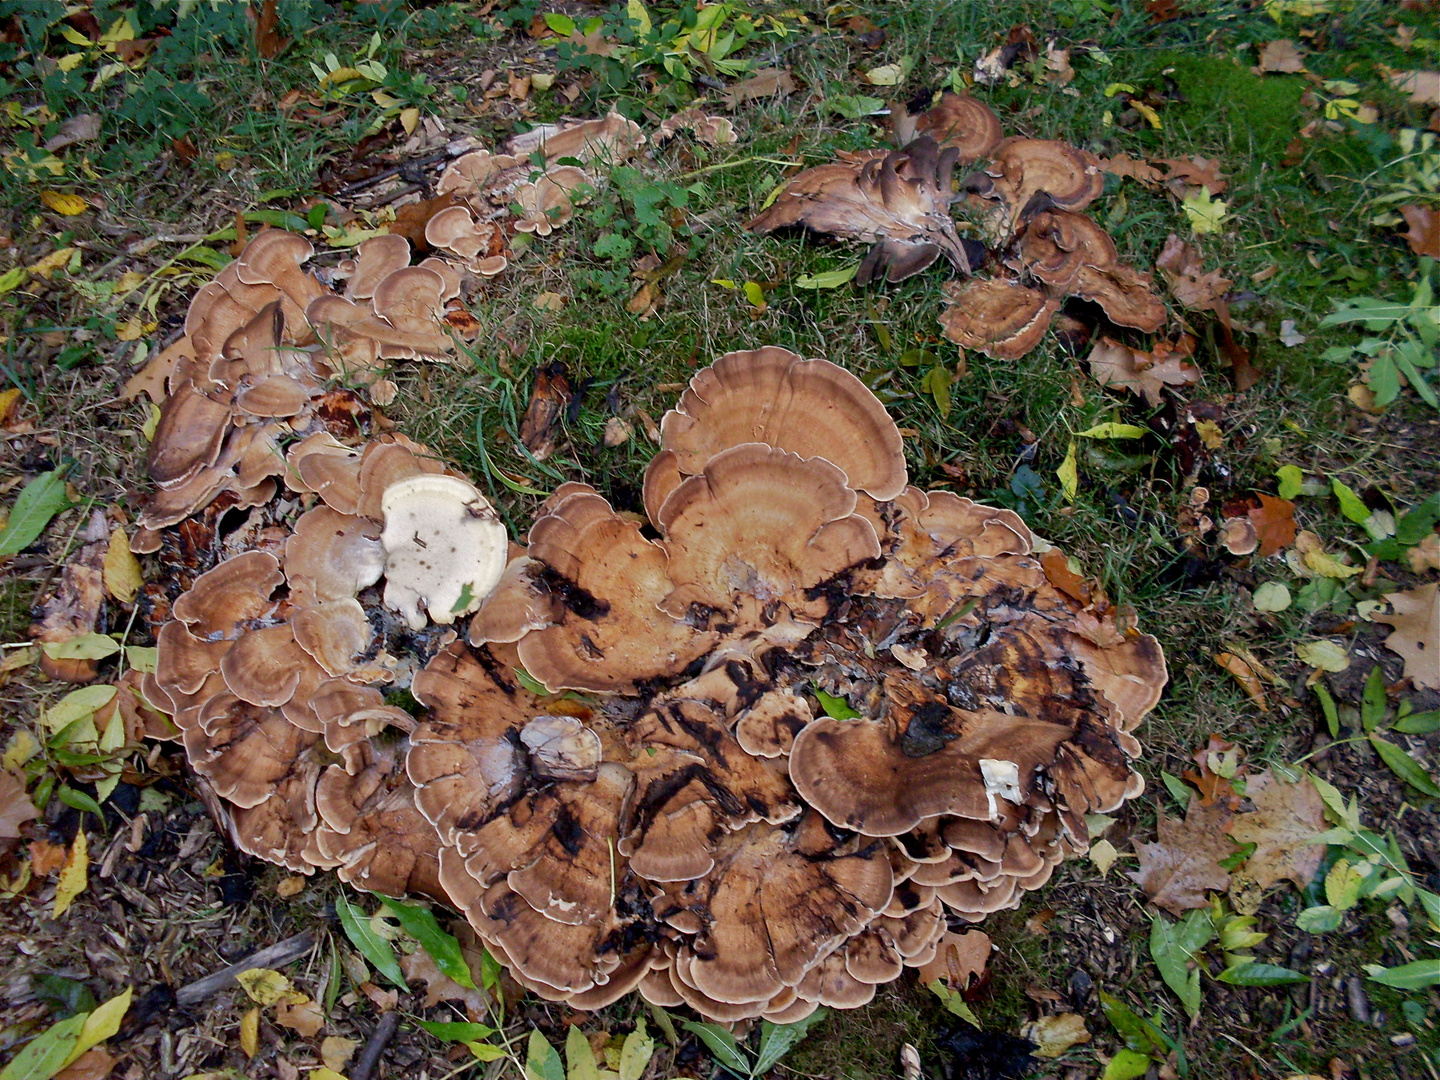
x: 540, y: 426
x: 1424, y: 233
x: 1422, y: 86
x: 15, y: 807
x: 1281, y: 56
x: 959, y: 958
x: 1286, y: 818
x: 1184, y: 863
x: 1115, y: 364
x: 1274, y: 520
x: 439, y: 986
x: 767, y: 82
x: 1416, y: 633
x: 95, y: 1064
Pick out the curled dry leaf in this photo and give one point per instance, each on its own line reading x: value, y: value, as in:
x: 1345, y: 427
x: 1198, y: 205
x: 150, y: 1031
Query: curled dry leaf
x: 1053, y: 1035
x: 1122, y: 366
x: 1184, y: 863
x: 1424, y: 233
x: 1416, y: 633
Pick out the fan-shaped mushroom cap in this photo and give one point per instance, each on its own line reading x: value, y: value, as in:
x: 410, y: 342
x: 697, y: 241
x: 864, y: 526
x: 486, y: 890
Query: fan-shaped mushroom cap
x: 385, y: 462
x: 769, y: 726
x: 277, y: 829
x: 332, y: 556
x: 1002, y: 319
x: 549, y: 201
x: 1023, y: 168
x: 262, y: 667
x: 445, y: 548
x: 408, y: 305
x: 448, y: 274
x: 334, y: 633
x: 763, y: 523
x: 331, y: 470
x: 274, y: 257
x: 375, y: 260
x: 183, y: 661
x: 244, y: 750
x: 454, y: 229
x: 1058, y: 244
x: 956, y: 120
x: 518, y: 604
x: 1123, y: 293
x: 235, y: 592
x: 189, y: 436
x: 471, y: 172
x: 898, y: 200
x: 812, y: 408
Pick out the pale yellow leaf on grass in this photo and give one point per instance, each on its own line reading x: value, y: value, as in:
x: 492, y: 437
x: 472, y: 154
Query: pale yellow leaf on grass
x: 409, y: 119
x: 1069, y: 474
x: 266, y: 986
x: 63, y: 202
x: 1053, y: 1035
x: 886, y: 75
x: 127, y: 282
x: 325, y: 1073
x: 89, y: 646
x: 1204, y: 213
x: 76, y: 705
x: 151, y: 423
x: 1323, y: 654
x: 21, y: 748
x: 121, y: 570
x: 1103, y: 855
x: 47, y: 266
x: 1272, y: 596
x: 74, y: 875
x: 548, y: 301
x: 130, y: 330
x: 250, y: 1032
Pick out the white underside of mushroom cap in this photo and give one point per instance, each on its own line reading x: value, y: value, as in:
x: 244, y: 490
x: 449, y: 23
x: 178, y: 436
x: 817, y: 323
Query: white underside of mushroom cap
x: 445, y: 548
x: 1001, y: 778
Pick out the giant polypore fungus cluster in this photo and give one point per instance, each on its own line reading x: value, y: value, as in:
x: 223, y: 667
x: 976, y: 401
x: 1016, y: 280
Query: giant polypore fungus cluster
x: 1021, y: 209
x: 753, y: 753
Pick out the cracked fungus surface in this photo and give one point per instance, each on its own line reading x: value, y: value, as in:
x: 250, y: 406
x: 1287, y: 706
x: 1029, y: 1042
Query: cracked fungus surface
x: 753, y: 753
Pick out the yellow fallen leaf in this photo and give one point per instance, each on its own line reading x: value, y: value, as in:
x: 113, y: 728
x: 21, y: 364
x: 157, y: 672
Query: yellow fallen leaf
x: 325, y: 1073
x: 1205, y: 213
x: 63, y: 202
x: 1316, y: 559
x: 8, y: 400
x: 56, y: 260
x: 127, y: 282
x: 1069, y: 473
x: 121, y: 570
x: 76, y: 705
x: 268, y: 987
x: 1103, y: 855
x: 886, y: 75
x: 102, y: 1023
x: 336, y: 1052
x: 250, y: 1032
x: 21, y: 748
x: 409, y: 119
x: 152, y: 421
x: 1053, y: 1035
x: 130, y: 330
x: 1151, y: 116
x: 225, y: 160
x: 1210, y: 434
x: 1323, y: 654
x: 74, y: 875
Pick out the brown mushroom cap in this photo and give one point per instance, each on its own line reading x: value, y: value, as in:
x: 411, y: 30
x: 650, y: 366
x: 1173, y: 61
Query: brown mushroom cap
x: 763, y: 523
x: 332, y: 556
x: 1024, y: 168
x: 610, y: 139
x: 1057, y: 244
x: 1002, y: 319
x: 274, y: 257
x: 376, y: 259
x: 1123, y: 293
x: 189, y: 436
x: 956, y: 120
x: 235, y: 592
x: 810, y: 407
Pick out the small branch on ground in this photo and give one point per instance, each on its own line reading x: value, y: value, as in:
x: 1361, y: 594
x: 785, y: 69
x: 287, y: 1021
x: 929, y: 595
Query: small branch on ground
x: 370, y: 1056
x: 274, y: 956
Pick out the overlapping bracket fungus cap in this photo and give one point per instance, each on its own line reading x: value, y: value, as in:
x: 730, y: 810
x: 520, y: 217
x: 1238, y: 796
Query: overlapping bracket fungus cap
x: 703, y: 830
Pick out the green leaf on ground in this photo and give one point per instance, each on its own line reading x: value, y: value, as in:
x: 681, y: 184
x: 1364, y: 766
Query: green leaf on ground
x: 777, y: 1040
x: 1416, y: 975
x: 1251, y: 973
x: 1173, y: 947
x: 41, y: 499
x: 1405, y: 767
x: 541, y: 1060
x: 721, y: 1043
x: 379, y: 952
x: 443, y: 948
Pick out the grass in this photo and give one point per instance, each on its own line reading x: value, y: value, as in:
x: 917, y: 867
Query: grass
x: 1297, y: 238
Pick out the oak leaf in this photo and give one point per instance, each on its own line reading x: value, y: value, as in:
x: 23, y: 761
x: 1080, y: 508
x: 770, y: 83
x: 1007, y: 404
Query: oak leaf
x: 1281, y: 56
x: 1274, y: 521
x: 1176, y: 871
x: 1416, y: 633
x: 1113, y: 363
x: 1285, y: 819
x: 959, y: 958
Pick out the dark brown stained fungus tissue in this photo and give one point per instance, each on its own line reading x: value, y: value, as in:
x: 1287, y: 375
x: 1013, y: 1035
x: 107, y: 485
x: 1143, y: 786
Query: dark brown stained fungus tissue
x: 627, y: 770
x: 897, y: 200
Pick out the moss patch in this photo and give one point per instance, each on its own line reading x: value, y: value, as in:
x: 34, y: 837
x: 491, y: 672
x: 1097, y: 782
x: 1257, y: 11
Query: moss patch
x: 1225, y: 105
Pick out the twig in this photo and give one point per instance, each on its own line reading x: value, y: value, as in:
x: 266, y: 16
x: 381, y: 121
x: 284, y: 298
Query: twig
x: 274, y: 956
x: 375, y: 1046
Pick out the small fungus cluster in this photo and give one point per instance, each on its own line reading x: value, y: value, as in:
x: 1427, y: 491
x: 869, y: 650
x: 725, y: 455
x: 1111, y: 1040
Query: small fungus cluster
x: 753, y: 753
x: 1022, y: 202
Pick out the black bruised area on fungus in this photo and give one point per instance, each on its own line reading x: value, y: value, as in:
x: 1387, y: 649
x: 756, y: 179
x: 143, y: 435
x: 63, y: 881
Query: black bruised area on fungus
x: 929, y: 728
x: 568, y: 831
x: 576, y: 600
x: 748, y: 689
x: 493, y: 668
x: 663, y: 790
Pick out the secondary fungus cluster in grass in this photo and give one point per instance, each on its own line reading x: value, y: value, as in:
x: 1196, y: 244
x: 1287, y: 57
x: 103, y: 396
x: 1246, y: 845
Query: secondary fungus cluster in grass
x: 753, y: 752
x: 1020, y: 212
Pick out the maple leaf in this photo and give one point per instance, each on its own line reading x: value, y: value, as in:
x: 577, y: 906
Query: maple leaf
x: 1176, y: 872
x: 1206, y: 214
x: 1416, y: 633
x: 959, y: 958
x: 1115, y: 364
x: 1274, y: 522
x: 1180, y: 262
x: 1281, y: 56
x: 1285, y: 819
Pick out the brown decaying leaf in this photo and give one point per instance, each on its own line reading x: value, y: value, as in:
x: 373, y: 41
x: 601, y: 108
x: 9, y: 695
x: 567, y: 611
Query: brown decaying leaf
x: 74, y: 608
x: 15, y: 807
x: 1416, y: 633
x: 541, y: 423
x: 1286, y: 818
x: 1118, y: 365
x: 1274, y: 520
x: 439, y: 986
x: 95, y: 1064
x: 1422, y: 86
x: 1211, y: 784
x: 959, y: 958
x: 1180, y: 262
x: 78, y: 129
x: 1176, y: 871
x: 1424, y: 233
x: 410, y: 220
x: 767, y: 82
x: 305, y: 1018
x: 265, y: 19
x: 1248, y: 680
x: 1281, y: 56
x: 1053, y: 1035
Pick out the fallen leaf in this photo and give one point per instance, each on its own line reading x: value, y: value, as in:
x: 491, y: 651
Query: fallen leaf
x: 305, y: 1017
x: 250, y: 1031
x: 767, y: 82
x: 1315, y: 558
x: 336, y: 1052
x: 121, y: 570
x: 265, y: 986
x: 1289, y: 336
x: 1422, y: 86
x: 1176, y: 871
x: 1416, y: 633
x: 439, y: 986
x: 1286, y: 818
x: 1103, y: 855
x: 1206, y: 213
x: 78, y: 129
x: 1115, y: 364
x: 266, y: 22
x: 1274, y: 522
x: 39, y: 501
x: 1324, y: 654
x: 1053, y: 1035
x: 63, y: 203
x: 617, y: 432
x: 74, y: 876
x: 1424, y: 234
x: 1280, y: 56
x: 1181, y: 263
x: 548, y: 301
x: 540, y: 426
x: 1246, y: 677
x: 290, y: 886
x: 46, y: 858
x: 959, y: 958
x: 1271, y: 596
x: 48, y: 266
x: 15, y: 807
x: 94, y: 1064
